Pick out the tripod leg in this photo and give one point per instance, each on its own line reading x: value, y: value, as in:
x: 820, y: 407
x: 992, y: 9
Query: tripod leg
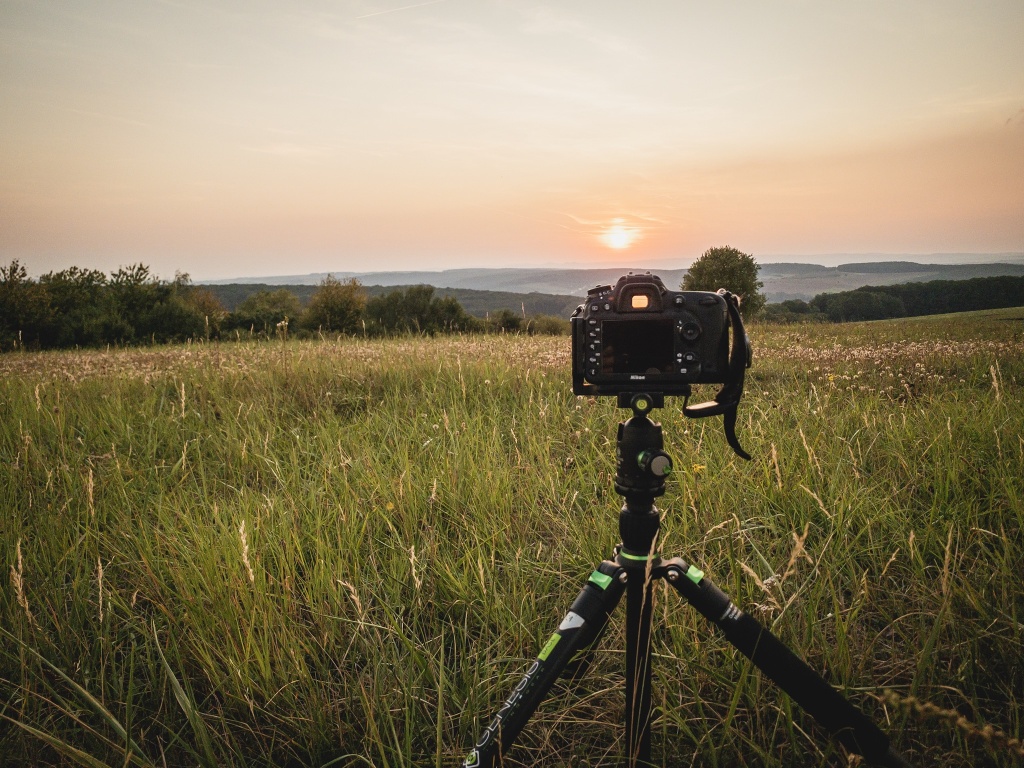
x: 639, y: 594
x: 580, y: 628
x: 841, y: 718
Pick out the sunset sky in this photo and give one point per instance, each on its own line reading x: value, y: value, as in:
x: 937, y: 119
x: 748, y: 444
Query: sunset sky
x: 250, y: 138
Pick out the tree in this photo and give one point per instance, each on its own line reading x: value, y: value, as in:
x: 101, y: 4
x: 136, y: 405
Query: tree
x: 417, y: 310
x: 336, y: 306
x: 726, y: 267
x: 23, y: 307
x: 79, y: 313
x: 505, y: 321
x: 262, y: 311
x: 208, y: 306
x: 133, y: 292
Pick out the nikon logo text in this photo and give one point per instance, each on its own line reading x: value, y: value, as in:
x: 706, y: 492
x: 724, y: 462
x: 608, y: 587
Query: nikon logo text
x: 637, y: 377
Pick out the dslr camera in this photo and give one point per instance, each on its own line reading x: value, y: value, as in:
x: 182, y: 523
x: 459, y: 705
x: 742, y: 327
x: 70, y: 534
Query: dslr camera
x: 639, y: 337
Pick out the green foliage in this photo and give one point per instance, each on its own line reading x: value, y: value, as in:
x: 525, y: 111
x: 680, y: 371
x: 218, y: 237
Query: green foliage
x: 729, y: 268
x: 549, y: 325
x: 24, y: 308
x: 914, y: 299
x: 416, y: 310
x: 261, y: 312
x: 477, y: 303
x: 505, y: 321
x: 791, y: 311
x: 84, y: 308
x: 78, y: 308
x: 206, y: 305
x: 859, y: 305
x: 336, y: 307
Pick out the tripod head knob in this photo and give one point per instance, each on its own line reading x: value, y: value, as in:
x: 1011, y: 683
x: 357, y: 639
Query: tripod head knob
x: 656, y: 462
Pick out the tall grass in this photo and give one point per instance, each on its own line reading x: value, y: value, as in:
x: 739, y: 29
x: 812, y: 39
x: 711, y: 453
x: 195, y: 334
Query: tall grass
x: 345, y: 553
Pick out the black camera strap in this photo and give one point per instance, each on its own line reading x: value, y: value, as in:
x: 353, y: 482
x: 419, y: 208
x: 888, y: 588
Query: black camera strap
x: 728, y: 398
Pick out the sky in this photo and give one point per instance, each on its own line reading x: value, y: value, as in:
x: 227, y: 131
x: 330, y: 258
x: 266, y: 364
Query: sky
x: 223, y: 139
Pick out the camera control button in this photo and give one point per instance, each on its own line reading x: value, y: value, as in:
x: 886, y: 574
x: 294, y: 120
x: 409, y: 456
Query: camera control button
x: 690, y: 357
x: 594, y: 308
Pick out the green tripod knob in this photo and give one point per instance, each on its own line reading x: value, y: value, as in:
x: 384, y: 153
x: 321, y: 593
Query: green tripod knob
x: 658, y: 463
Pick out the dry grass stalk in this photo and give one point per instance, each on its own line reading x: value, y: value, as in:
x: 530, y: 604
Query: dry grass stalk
x: 245, y: 553
x: 99, y: 582
x: 775, y: 463
x: 18, y: 582
x: 354, y: 596
x: 412, y: 564
x: 89, y: 486
x: 799, y: 552
x: 817, y: 498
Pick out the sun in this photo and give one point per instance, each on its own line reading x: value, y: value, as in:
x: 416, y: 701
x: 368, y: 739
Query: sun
x: 619, y: 236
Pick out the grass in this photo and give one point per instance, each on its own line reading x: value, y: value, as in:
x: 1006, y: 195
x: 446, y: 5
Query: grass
x: 347, y: 553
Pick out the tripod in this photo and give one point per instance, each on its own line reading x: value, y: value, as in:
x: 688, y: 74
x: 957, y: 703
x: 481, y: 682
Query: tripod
x: 642, y: 466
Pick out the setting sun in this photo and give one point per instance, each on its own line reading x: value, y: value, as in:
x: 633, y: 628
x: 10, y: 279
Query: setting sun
x: 618, y: 236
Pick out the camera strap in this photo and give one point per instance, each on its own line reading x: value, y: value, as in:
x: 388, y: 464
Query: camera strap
x: 728, y: 397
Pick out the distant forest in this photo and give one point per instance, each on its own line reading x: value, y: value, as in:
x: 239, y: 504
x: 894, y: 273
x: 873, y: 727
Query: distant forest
x: 904, y: 300
x: 478, y: 303
x: 86, y: 308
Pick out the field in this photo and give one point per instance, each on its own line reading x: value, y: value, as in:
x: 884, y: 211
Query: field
x: 347, y: 553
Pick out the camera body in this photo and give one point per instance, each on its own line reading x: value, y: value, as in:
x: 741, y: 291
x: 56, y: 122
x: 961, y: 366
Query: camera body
x: 638, y: 336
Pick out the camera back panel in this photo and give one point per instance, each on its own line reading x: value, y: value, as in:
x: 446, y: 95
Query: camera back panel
x: 640, y: 336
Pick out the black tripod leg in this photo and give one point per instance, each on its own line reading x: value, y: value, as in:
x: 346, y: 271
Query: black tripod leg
x: 638, y: 668
x: 580, y: 628
x: 841, y: 718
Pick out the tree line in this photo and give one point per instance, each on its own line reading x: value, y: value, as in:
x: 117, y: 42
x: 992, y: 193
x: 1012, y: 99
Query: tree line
x: 78, y: 307
x: 886, y: 302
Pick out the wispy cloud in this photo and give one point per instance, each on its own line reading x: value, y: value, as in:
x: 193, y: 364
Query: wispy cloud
x: 102, y: 116
x: 403, y: 8
x: 548, y: 21
x: 289, y: 149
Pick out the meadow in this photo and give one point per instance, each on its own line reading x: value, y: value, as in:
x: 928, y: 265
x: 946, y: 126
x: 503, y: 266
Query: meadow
x: 347, y: 552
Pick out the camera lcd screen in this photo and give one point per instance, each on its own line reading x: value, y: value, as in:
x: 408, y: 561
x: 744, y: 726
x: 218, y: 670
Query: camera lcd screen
x: 637, y: 346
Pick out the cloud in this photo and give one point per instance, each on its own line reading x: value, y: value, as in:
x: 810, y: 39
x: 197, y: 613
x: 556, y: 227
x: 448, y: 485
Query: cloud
x: 403, y: 8
x: 548, y: 21
x: 290, y: 149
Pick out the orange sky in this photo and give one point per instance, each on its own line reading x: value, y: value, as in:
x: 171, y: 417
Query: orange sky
x: 247, y: 138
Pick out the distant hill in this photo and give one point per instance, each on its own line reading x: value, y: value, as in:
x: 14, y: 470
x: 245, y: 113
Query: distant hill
x: 566, y: 282
x: 805, y: 281
x: 785, y: 280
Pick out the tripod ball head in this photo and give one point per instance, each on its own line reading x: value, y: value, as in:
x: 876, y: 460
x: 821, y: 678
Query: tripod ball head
x: 642, y: 464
